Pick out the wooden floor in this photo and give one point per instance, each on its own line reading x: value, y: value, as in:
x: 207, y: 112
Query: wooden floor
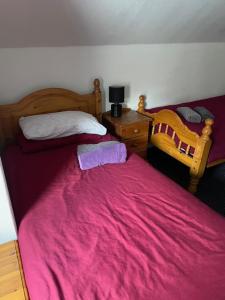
x: 12, y: 284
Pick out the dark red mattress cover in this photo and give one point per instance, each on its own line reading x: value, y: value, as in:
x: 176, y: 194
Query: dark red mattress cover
x: 217, y: 106
x: 114, y: 232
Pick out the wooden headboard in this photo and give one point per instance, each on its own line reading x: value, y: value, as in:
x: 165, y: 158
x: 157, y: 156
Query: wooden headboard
x: 46, y: 101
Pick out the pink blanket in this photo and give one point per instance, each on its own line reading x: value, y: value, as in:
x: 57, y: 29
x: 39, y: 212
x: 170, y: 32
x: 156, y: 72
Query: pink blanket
x: 113, y: 232
x: 216, y: 106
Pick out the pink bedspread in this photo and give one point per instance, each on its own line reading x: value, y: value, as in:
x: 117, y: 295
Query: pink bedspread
x: 215, y: 105
x: 114, y: 232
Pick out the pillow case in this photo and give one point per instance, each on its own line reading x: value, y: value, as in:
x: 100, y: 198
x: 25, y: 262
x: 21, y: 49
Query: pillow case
x: 204, y: 113
x: 32, y: 146
x: 189, y: 114
x: 59, y: 124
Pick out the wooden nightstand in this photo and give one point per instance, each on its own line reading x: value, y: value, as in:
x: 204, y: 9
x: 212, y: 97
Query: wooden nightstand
x: 131, y: 128
x: 12, y: 283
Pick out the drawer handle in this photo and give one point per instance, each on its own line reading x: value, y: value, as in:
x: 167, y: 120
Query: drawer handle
x: 136, y: 130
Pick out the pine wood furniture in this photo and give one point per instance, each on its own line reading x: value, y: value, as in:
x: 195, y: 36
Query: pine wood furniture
x: 46, y: 101
x: 196, y: 161
x: 12, y: 283
x: 131, y: 128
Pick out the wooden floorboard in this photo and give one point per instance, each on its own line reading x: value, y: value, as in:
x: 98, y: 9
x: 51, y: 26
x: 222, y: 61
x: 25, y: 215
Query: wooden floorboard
x: 12, y: 283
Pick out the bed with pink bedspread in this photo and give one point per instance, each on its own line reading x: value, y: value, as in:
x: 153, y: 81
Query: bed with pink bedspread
x: 118, y: 231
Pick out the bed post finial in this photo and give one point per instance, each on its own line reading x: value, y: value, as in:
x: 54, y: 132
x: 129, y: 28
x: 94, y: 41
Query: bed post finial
x: 97, y: 85
x: 141, y: 104
x: 98, y: 99
x: 207, y: 130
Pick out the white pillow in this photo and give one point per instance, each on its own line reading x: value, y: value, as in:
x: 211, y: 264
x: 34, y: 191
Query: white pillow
x: 59, y: 124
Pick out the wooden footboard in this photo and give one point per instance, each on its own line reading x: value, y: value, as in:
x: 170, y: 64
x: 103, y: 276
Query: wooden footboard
x: 170, y: 135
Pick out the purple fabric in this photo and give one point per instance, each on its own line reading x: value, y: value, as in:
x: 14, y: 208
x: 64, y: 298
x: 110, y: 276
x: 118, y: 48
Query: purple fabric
x: 93, y: 155
x: 216, y: 106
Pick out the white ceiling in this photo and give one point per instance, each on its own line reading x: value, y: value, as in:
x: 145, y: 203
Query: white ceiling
x: 31, y: 23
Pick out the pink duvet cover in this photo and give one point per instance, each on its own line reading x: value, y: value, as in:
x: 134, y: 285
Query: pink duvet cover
x: 113, y: 232
x: 215, y: 105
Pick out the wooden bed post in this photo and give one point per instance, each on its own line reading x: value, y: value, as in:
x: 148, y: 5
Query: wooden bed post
x: 200, y: 156
x: 141, y: 104
x: 141, y: 107
x: 98, y: 97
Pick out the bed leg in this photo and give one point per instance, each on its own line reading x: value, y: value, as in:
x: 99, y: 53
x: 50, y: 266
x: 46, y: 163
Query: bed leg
x: 193, y: 185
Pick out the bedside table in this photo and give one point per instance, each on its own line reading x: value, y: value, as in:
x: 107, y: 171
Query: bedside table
x: 131, y: 128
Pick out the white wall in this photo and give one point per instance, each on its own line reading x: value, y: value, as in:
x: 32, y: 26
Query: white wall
x: 166, y: 73
x: 7, y: 223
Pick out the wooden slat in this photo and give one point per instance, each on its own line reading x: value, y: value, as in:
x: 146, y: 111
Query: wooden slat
x: 179, y: 145
x: 187, y: 149
x: 167, y: 127
x: 153, y: 130
x: 160, y: 127
x: 173, y: 135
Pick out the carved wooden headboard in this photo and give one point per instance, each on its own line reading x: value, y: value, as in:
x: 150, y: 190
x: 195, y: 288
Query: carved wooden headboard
x: 46, y: 101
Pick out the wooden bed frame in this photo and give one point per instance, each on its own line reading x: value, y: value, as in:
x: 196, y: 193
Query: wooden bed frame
x: 40, y: 102
x: 197, y: 161
x: 46, y: 101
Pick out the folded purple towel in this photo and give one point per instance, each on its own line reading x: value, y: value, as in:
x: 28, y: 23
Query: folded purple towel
x: 93, y: 155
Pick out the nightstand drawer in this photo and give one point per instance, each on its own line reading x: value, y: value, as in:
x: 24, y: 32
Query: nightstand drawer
x: 131, y: 128
x: 136, y: 144
x: 135, y: 130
